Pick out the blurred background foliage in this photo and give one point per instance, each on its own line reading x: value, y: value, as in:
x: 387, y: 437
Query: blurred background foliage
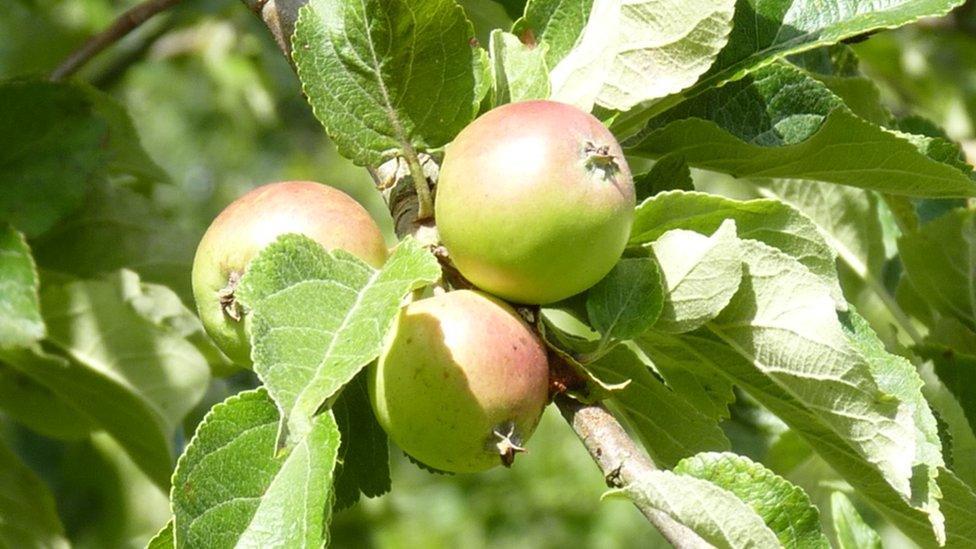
x: 219, y: 109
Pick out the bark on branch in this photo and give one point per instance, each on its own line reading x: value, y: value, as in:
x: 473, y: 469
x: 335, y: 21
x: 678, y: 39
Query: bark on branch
x: 621, y: 461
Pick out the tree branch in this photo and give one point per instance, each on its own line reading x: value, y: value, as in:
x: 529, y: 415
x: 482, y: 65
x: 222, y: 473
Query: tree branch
x: 621, y: 461
x: 122, y: 26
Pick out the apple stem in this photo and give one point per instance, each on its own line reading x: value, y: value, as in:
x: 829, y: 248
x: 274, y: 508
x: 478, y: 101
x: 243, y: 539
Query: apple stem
x: 425, y: 201
x: 450, y: 274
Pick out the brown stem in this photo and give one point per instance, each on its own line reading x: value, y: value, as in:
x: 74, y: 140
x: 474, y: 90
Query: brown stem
x: 122, y: 26
x: 621, y: 461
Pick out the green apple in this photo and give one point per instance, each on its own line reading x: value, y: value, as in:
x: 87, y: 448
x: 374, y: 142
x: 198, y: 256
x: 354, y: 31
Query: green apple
x: 462, y: 383
x: 324, y: 214
x: 535, y: 201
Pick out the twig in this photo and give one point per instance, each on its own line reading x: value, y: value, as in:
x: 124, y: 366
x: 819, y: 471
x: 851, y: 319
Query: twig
x: 117, y: 65
x: 621, y: 461
x: 122, y: 26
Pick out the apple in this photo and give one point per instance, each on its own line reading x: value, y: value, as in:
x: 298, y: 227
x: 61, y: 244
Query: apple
x: 535, y: 201
x: 322, y: 213
x: 462, y: 383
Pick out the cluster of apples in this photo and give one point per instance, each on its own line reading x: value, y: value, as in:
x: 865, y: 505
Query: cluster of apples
x: 534, y: 204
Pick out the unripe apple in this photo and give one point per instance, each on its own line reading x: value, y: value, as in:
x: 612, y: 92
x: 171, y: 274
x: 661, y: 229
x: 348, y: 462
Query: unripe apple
x: 462, y: 384
x: 535, y: 201
x: 324, y: 214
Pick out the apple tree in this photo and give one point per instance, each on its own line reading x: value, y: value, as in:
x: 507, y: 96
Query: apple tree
x: 742, y: 270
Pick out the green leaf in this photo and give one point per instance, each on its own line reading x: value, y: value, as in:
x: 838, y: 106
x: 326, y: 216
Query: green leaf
x: 318, y: 318
x: 716, y: 515
x: 164, y: 539
x: 487, y: 16
x: 513, y: 8
x: 837, y: 67
x: 520, y: 71
x: 768, y: 221
x: 161, y: 306
x: 957, y: 370
x: 108, y: 402
x: 232, y: 488
x: 30, y: 403
x: 940, y: 261
x: 134, y: 334
x: 781, y: 122
x: 847, y: 217
x: 564, y: 328
x: 20, y: 309
x: 364, y: 456
x: 701, y: 274
x: 386, y: 76
x: 780, y: 339
x: 126, y: 157
x: 557, y: 23
x: 131, y: 376
x: 959, y: 502
x: 627, y: 53
x: 766, y: 30
x: 785, y: 508
x: 117, y: 228
x: 948, y: 333
x: 849, y: 220
x: 28, y: 517
x: 911, y: 301
x: 688, y: 374
x: 960, y: 455
x: 653, y: 410
x: 670, y: 173
x: 851, y: 530
x: 484, y: 81
x: 50, y: 148
x: 104, y: 499
x: 628, y: 300
x: 896, y: 376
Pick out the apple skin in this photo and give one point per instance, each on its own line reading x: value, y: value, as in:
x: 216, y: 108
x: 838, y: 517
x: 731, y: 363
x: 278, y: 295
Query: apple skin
x: 460, y: 366
x: 322, y: 213
x: 525, y: 206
